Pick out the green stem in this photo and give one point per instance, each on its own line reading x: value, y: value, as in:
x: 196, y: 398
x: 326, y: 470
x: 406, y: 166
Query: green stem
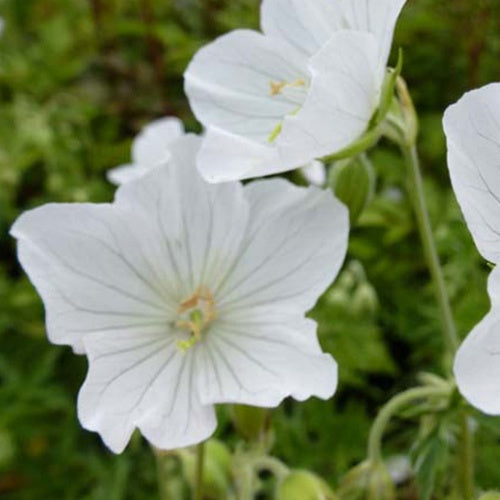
x: 392, y: 408
x: 273, y: 465
x: 163, y: 492
x: 466, y: 458
x: 451, y: 337
x: 424, y: 225
x: 200, y: 461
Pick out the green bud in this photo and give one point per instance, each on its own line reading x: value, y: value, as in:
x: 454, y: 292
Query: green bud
x: 353, y: 182
x: 250, y: 422
x: 408, y: 112
x: 490, y: 495
x: 216, y: 471
x: 389, y: 88
x: 303, y: 485
x: 365, y: 300
x: 368, y: 481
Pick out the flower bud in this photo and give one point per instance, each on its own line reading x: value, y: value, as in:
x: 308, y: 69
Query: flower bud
x: 303, y: 485
x: 353, y: 182
x: 365, y: 300
x: 250, y: 422
x: 368, y: 481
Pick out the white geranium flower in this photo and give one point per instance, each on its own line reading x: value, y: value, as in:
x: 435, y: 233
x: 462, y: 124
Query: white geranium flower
x: 305, y: 88
x: 472, y: 128
x: 149, y: 149
x: 315, y: 173
x: 184, y: 295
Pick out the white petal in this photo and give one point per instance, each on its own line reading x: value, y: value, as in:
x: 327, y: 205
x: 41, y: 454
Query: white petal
x: 126, y: 173
x: 477, y: 364
x: 95, y: 267
x: 292, y: 251
x: 228, y: 83
x: 315, y: 173
x: 150, y: 147
x: 227, y: 157
x: 139, y: 379
x: 305, y: 24
x: 258, y: 357
x: 204, y: 224
x: 472, y: 128
x: 377, y: 17
x: 344, y: 94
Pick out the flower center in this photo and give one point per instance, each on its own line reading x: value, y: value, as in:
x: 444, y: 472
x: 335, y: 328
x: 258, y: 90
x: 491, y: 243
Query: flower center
x: 295, y: 92
x: 278, y: 88
x: 195, y: 315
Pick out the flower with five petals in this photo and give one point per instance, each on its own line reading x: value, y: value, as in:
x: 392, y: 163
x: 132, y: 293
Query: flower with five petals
x: 184, y: 295
x: 307, y: 87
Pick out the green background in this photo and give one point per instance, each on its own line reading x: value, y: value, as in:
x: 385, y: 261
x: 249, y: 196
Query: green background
x: 78, y: 79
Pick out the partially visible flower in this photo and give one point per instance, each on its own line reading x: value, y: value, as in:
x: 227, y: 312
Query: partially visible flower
x: 472, y: 128
x: 305, y: 88
x: 149, y: 149
x: 315, y: 173
x: 2, y: 25
x: 184, y: 295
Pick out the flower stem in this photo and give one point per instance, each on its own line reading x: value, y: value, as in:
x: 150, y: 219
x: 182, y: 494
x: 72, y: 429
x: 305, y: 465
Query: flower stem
x: 198, y: 480
x: 424, y: 225
x: 451, y: 338
x: 273, y: 465
x: 392, y: 408
x: 163, y: 493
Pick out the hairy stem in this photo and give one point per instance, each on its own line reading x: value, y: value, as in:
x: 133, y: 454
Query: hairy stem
x: 424, y: 226
x: 392, y: 408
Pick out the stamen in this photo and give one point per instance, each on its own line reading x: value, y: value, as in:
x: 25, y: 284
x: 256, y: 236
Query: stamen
x: 277, y: 87
x: 201, y: 312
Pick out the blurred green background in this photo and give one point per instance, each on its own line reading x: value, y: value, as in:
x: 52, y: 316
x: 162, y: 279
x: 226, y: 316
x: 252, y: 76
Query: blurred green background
x: 78, y: 79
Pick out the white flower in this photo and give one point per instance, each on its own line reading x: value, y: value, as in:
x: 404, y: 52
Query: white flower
x: 184, y: 295
x: 472, y: 128
x: 305, y: 88
x: 315, y: 173
x: 149, y: 149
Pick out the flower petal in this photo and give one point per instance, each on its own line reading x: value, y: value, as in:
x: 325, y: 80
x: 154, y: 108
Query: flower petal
x: 228, y: 83
x: 294, y: 248
x: 126, y: 173
x: 477, y: 364
x: 150, y: 147
x: 241, y: 159
x: 305, y: 24
x: 142, y: 379
x: 201, y: 225
x: 93, y: 272
x: 344, y: 94
x: 315, y: 173
x: 472, y: 128
x: 377, y: 17
x: 258, y: 357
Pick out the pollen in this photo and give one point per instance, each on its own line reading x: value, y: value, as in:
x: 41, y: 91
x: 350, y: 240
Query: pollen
x: 196, y: 313
x: 278, y: 87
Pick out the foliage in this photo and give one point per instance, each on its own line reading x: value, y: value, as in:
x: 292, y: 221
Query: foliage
x: 77, y: 81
